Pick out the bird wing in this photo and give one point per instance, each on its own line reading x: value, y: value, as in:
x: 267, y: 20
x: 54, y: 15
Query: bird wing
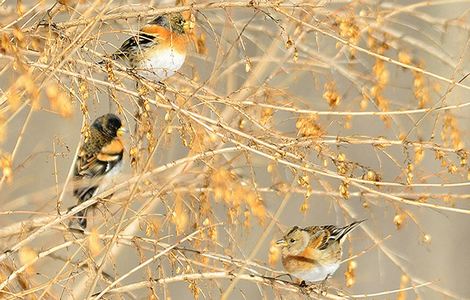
x: 136, y: 43
x: 92, y: 165
x: 319, y: 237
x: 337, y: 234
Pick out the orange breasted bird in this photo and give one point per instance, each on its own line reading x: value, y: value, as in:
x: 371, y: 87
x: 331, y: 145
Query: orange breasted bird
x: 158, y: 50
x: 314, y: 253
x: 99, y: 161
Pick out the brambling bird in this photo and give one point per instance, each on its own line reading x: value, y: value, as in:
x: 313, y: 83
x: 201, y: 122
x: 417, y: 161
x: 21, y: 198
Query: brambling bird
x: 159, y: 49
x: 313, y: 253
x: 99, y: 160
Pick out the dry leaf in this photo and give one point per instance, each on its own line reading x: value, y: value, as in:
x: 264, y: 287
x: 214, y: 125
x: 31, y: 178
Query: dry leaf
x: 27, y: 257
x: 59, y: 100
x: 94, y: 243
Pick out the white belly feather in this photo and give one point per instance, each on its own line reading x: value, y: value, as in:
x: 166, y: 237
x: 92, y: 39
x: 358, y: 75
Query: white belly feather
x: 108, y: 180
x: 317, y: 274
x: 160, y: 67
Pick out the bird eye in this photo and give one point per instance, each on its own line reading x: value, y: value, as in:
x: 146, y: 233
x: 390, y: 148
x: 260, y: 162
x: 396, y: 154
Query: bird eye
x: 292, y: 240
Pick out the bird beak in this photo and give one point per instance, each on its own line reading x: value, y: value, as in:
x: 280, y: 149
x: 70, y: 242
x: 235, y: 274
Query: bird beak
x: 121, y: 131
x: 281, y: 243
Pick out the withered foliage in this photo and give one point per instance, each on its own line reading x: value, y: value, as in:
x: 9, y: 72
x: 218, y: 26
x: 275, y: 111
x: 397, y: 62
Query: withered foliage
x: 305, y: 113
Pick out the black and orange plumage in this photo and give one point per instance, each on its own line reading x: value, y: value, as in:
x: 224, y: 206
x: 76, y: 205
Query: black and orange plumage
x: 99, y: 160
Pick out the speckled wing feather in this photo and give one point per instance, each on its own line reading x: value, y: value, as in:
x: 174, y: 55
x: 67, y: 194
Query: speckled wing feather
x: 323, y: 236
x: 318, y: 237
x: 96, y: 158
x: 135, y: 44
x: 337, y: 234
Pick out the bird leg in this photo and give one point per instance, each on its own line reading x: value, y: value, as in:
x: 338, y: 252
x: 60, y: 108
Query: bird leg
x: 285, y: 274
x: 307, y: 288
x: 323, y: 289
x: 161, y: 86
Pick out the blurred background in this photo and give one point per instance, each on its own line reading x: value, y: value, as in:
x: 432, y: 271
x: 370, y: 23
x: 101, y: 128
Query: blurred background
x: 285, y: 113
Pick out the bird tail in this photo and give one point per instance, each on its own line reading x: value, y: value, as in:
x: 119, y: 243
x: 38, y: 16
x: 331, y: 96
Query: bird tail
x: 83, y: 195
x: 81, y: 218
x: 341, y: 233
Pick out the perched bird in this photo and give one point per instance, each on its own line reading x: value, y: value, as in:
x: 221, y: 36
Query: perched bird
x: 99, y: 160
x: 314, y: 253
x: 159, y: 49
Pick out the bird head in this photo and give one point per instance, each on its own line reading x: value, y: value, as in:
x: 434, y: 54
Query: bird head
x: 294, y: 242
x: 174, y: 22
x: 109, y: 125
